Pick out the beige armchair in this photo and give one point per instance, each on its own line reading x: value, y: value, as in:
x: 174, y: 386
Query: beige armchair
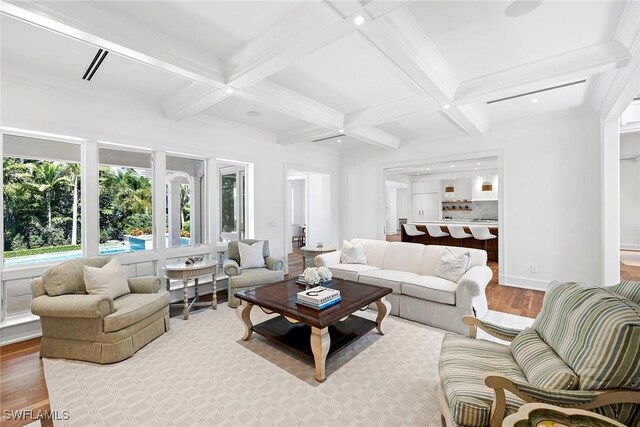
x: 95, y: 328
x: 581, y: 352
x: 240, y: 279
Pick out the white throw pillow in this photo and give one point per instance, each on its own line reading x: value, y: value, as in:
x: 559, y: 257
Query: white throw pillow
x: 108, y: 280
x: 251, y: 256
x: 452, y: 266
x: 352, y: 254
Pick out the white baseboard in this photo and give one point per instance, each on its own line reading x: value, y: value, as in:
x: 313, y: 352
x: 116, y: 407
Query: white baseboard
x: 391, y: 233
x: 521, y: 282
x: 630, y: 246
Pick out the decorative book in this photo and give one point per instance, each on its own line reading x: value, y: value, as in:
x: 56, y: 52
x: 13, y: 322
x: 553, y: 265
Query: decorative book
x: 321, y: 306
x: 318, y: 295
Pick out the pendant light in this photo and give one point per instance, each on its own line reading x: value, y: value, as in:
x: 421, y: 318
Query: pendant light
x: 449, y: 191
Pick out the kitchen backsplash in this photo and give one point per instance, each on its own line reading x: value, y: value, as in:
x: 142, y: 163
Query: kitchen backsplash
x: 481, y: 210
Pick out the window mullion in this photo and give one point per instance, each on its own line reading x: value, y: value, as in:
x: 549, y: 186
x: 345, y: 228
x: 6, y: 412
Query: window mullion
x: 90, y: 199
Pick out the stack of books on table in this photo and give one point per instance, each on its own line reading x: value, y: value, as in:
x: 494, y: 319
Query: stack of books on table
x: 300, y: 280
x: 318, y: 297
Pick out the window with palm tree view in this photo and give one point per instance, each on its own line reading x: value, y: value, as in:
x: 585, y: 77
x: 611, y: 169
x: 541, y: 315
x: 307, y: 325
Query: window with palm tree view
x: 126, y: 222
x: 41, y: 194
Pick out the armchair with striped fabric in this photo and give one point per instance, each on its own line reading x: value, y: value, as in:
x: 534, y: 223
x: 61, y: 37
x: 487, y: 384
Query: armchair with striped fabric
x: 582, y: 351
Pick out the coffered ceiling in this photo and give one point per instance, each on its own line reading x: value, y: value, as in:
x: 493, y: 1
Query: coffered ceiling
x: 369, y: 73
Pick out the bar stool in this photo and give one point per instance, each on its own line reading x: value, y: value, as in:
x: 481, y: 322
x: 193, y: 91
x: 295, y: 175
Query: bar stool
x: 412, y: 231
x: 457, y: 232
x: 436, y: 232
x: 483, y: 233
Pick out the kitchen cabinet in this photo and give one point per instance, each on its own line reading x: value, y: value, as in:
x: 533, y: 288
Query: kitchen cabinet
x: 418, y: 187
x: 425, y: 207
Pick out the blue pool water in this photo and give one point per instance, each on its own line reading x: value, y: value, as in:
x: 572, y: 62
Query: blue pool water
x: 62, y: 256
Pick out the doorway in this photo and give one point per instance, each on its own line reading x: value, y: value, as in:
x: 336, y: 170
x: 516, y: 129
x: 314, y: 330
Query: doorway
x: 234, y: 222
x: 307, y: 213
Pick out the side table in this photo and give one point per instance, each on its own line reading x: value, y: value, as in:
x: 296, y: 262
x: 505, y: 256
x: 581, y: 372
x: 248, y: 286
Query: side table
x: 185, y: 272
x: 543, y: 415
x: 312, y: 252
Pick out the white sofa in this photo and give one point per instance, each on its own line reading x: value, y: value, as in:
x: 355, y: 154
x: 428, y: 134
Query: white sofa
x: 418, y: 295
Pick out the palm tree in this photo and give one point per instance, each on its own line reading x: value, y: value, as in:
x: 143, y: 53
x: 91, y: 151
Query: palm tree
x: 48, y: 176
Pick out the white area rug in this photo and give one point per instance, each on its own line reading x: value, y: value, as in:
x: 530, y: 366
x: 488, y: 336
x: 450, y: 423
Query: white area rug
x: 202, y: 373
x: 630, y: 258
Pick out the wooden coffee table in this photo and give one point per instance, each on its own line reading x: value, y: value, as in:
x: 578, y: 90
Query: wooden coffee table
x: 318, y: 334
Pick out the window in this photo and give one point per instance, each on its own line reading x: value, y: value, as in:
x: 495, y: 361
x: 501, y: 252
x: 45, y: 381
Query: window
x: 125, y: 201
x: 232, y: 202
x: 185, y: 182
x: 41, y: 195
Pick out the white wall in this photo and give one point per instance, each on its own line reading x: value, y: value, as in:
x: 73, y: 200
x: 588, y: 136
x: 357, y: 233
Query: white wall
x: 391, y: 208
x: 319, y: 226
x: 299, y: 201
x: 630, y: 204
x: 549, y: 185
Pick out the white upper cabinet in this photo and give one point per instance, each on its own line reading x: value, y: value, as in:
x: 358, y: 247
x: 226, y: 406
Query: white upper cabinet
x: 425, y: 187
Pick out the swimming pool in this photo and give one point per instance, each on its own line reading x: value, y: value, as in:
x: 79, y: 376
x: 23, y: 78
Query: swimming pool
x: 62, y: 256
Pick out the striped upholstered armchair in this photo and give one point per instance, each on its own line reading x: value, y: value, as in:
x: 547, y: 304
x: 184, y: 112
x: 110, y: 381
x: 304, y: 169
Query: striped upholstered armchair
x: 582, y: 351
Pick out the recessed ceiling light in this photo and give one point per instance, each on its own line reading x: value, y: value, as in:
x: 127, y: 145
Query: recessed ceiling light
x: 418, y: 174
x: 428, y: 169
x: 521, y: 7
x: 453, y: 166
x: 478, y: 163
x: 339, y: 141
x: 475, y: 169
x: 358, y: 20
x: 229, y: 90
x: 447, y: 106
x: 253, y: 113
x: 341, y: 130
x: 534, y: 100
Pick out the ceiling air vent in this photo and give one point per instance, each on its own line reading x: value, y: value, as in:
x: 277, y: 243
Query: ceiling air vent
x: 95, y: 64
x: 537, y: 91
x: 329, y: 137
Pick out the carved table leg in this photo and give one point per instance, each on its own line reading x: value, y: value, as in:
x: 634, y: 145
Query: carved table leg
x: 320, y: 343
x: 384, y: 307
x: 196, y: 288
x: 244, y: 314
x: 214, y: 297
x: 168, y: 284
x: 185, y: 299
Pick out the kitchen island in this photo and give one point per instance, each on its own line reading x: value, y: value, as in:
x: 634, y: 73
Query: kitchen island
x: 491, y: 245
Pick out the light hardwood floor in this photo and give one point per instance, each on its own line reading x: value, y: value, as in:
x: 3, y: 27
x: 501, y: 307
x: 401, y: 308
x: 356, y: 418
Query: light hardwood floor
x: 22, y: 383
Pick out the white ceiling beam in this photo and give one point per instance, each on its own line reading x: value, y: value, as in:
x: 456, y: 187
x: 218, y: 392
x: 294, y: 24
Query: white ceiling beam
x: 613, y: 91
x: 375, y: 136
x: 286, y: 101
x: 397, y: 110
x: 302, y: 32
x: 87, y: 23
x: 401, y: 40
x: 191, y: 100
x: 546, y: 72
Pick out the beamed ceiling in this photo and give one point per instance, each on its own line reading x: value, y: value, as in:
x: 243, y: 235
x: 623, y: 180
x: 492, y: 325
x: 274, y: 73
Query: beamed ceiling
x: 306, y: 71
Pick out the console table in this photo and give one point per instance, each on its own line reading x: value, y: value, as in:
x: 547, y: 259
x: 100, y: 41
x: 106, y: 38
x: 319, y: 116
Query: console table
x: 312, y: 252
x: 184, y: 272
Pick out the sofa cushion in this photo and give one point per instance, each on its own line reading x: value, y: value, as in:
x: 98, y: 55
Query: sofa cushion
x: 594, y: 331
x: 462, y: 366
x: 352, y: 254
x: 431, y: 288
x: 68, y: 277
x: 628, y: 289
x: 451, y: 266
x: 388, y: 278
x: 350, y: 271
x: 432, y: 254
x: 540, y: 363
x: 132, y: 308
x: 403, y: 256
x: 256, y: 276
x: 374, y: 249
x: 234, y: 254
x: 107, y: 280
x: 251, y: 255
